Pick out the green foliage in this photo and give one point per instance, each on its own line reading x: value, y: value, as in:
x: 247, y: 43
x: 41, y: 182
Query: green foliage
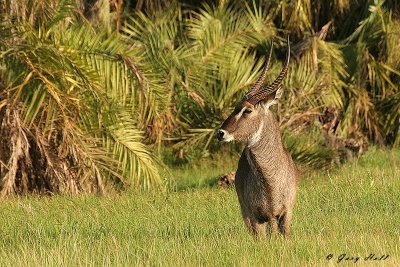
x: 218, y: 50
x: 69, y: 96
x: 90, y: 96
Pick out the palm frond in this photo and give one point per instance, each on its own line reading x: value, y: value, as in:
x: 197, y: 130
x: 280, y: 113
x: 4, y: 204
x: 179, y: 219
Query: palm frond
x: 61, y: 83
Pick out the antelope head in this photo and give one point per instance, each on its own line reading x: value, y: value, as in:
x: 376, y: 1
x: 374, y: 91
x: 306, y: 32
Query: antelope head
x: 248, y: 114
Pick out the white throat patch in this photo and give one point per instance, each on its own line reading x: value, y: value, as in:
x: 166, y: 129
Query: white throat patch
x: 256, y: 136
x: 228, y: 137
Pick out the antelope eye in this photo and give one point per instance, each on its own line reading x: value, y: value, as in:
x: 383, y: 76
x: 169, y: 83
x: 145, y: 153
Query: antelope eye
x: 248, y: 110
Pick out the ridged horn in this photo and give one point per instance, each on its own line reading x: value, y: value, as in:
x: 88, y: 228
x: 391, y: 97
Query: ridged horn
x: 261, y: 79
x: 261, y: 94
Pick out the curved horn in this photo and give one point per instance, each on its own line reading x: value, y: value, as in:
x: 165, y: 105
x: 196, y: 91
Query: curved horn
x: 261, y: 80
x: 261, y: 94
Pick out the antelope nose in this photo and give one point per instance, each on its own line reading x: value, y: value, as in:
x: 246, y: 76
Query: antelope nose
x: 220, y: 134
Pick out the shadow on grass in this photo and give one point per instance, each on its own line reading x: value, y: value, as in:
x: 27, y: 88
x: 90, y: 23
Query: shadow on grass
x: 204, y: 174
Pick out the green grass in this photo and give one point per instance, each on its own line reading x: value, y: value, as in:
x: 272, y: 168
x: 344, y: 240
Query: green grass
x: 353, y: 210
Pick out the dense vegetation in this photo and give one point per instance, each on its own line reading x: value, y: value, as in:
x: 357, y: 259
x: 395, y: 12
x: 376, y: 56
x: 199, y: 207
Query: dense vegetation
x: 353, y: 210
x: 100, y: 94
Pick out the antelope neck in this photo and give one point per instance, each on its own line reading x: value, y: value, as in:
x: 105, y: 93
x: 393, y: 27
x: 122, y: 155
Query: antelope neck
x: 267, y: 145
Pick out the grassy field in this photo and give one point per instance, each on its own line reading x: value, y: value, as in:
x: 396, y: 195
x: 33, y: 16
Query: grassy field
x: 354, y: 210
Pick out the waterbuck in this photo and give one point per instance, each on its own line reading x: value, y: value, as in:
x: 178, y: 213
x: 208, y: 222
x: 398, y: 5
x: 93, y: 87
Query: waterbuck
x: 266, y: 177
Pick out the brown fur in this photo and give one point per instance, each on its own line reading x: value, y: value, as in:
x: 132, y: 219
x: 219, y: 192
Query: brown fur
x: 266, y: 178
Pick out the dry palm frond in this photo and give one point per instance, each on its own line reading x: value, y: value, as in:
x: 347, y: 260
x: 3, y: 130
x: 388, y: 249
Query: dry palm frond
x: 14, y: 155
x: 362, y: 115
x: 391, y: 107
x: 297, y: 17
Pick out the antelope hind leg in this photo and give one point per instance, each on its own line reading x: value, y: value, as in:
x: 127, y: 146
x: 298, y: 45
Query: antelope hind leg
x: 259, y: 229
x: 255, y: 228
x: 285, y: 222
x: 273, y: 224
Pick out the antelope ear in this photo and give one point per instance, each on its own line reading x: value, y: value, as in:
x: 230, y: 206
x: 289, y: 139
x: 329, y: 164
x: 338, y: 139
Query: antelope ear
x: 273, y: 98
